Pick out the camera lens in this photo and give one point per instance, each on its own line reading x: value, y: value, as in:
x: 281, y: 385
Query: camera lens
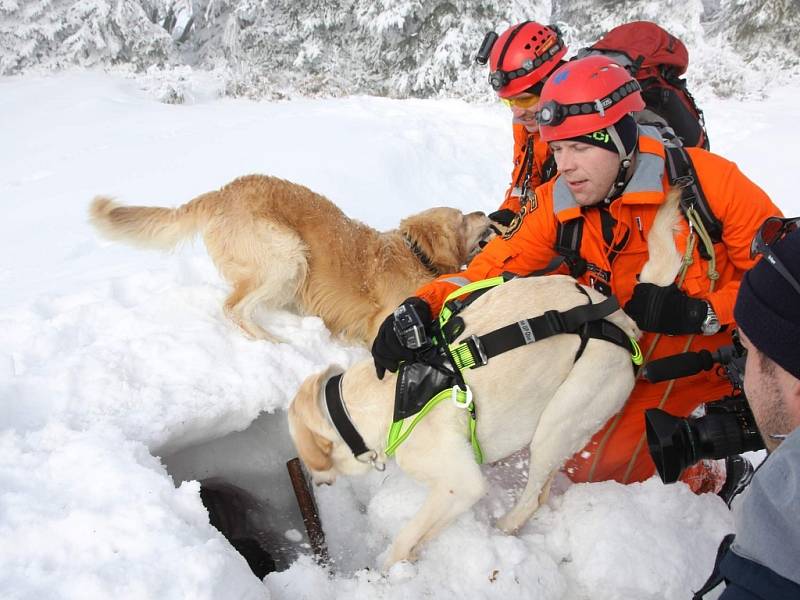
x: 728, y: 428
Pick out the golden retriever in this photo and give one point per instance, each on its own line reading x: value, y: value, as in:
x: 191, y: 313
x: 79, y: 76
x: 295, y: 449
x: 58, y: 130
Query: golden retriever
x: 281, y: 245
x: 537, y: 395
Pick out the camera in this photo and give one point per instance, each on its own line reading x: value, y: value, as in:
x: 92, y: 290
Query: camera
x: 410, y: 329
x: 727, y: 428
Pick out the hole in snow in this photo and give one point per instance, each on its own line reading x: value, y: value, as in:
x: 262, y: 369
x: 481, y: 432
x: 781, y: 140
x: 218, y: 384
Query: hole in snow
x: 247, y: 491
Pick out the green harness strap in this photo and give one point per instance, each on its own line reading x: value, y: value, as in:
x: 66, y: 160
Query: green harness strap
x: 460, y: 398
x: 447, y: 312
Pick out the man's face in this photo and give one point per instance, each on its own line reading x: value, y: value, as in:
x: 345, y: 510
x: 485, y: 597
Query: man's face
x: 523, y: 107
x: 589, y: 171
x: 772, y: 393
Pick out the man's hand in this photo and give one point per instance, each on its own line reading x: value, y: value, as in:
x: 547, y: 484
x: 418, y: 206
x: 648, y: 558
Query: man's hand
x: 387, y: 349
x: 666, y: 309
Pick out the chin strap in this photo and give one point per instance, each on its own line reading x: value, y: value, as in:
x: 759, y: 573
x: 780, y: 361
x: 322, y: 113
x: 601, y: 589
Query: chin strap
x: 626, y: 160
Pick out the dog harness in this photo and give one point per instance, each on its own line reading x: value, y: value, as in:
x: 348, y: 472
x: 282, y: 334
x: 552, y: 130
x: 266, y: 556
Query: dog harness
x: 423, y: 384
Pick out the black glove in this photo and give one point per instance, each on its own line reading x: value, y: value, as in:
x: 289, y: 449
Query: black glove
x: 666, y: 309
x: 387, y: 349
x: 503, y: 217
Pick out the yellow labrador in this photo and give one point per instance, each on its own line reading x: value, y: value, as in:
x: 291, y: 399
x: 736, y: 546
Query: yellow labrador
x: 537, y: 395
x: 283, y: 246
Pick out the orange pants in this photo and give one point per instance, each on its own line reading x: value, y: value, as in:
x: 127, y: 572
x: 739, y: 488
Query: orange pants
x: 619, y: 450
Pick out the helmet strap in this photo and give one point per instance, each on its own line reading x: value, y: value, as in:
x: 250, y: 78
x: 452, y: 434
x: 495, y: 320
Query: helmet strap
x: 626, y: 160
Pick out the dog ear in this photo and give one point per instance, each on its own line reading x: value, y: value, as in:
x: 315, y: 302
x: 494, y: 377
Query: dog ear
x: 304, y: 418
x: 439, y: 234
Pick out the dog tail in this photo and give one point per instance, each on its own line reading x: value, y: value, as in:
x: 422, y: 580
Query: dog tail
x: 148, y: 226
x: 664, y: 260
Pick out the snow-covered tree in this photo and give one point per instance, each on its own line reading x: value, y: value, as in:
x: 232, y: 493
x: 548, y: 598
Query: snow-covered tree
x: 763, y: 31
x: 399, y: 48
x: 387, y: 47
x: 56, y: 33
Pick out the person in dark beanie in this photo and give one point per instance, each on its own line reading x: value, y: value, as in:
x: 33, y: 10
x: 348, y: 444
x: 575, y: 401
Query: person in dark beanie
x: 763, y: 559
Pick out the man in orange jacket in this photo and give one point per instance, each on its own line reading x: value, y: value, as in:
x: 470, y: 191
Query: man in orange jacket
x: 520, y: 61
x: 612, y: 179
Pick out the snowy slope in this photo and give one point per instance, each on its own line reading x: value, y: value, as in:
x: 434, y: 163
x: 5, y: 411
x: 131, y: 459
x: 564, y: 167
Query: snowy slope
x: 119, y: 374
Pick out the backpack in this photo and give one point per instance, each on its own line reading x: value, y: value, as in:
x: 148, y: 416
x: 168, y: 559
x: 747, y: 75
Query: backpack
x: 656, y: 59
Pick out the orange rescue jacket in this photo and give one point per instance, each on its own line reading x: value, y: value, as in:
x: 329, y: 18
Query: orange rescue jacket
x: 525, y: 144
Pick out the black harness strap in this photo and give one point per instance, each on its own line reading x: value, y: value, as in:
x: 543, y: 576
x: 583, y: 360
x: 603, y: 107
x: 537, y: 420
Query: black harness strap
x: 608, y: 224
x: 551, y: 323
x: 683, y: 176
x: 549, y: 169
x: 339, y: 417
x: 568, y: 245
x: 526, y: 172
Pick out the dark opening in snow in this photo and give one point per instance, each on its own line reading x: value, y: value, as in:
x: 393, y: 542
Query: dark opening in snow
x: 247, y: 491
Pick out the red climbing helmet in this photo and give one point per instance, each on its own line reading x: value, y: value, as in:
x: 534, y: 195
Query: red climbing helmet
x: 584, y: 96
x: 522, y: 56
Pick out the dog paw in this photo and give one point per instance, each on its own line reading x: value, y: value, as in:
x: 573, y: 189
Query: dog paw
x: 507, y: 524
x: 401, y: 571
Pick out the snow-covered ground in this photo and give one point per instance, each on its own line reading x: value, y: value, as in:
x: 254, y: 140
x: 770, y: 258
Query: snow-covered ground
x: 120, y: 378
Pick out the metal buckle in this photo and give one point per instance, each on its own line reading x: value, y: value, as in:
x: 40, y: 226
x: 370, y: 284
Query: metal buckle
x: 479, y: 350
x: 371, y: 460
x: 454, y: 397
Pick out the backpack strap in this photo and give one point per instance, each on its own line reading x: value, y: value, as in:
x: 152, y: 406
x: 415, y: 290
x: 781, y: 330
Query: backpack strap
x: 568, y: 245
x: 682, y: 175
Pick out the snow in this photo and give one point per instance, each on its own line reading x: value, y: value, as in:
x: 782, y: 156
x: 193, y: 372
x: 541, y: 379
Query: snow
x: 121, y: 381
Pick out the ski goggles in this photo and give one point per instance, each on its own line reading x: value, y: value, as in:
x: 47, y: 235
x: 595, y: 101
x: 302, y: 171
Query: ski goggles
x: 770, y: 233
x: 554, y: 113
x: 525, y: 102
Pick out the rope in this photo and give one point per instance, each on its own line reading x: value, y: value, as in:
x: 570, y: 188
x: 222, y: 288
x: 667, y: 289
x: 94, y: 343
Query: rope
x: 696, y: 229
x: 713, y: 275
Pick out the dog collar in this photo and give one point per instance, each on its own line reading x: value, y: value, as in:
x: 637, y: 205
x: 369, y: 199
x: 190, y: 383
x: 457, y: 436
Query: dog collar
x: 343, y: 424
x: 421, y: 256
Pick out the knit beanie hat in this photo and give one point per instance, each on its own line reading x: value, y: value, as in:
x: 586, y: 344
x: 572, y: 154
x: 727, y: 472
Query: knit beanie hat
x: 625, y: 128
x: 768, y: 308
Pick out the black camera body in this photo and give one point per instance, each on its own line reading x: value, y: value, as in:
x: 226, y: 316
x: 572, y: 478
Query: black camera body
x: 727, y: 428
x: 410, y: 329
